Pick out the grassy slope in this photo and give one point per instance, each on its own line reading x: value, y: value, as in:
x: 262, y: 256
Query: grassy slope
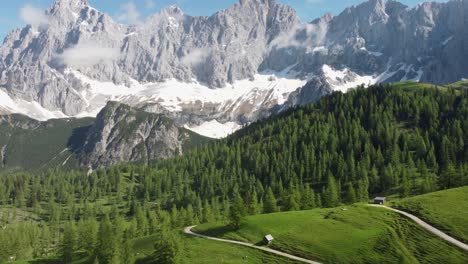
x: 203, y: 251
x: 459, y: 85
x: 43, y: 145
x: 356, y: 234
x: 194, y: 251
x: 411, y: 85
x: 447, y: 210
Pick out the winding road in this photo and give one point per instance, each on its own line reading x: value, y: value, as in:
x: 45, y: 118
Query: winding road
x: 428, y: 227
x: 188, y: 230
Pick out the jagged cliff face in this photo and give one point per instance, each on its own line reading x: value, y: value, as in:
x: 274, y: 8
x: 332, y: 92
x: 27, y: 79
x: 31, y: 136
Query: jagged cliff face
x: 379, y: 41
x: 123, y: 134
x: 118, y: 134
x: 230, y: 45
x: 234, y: 67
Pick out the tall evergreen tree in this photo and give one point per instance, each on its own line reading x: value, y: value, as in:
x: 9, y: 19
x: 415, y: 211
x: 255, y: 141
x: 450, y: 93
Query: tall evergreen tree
x: 68, y: 244
x: 237, y: 212
x: 269, y: 203
x: 331, y: 195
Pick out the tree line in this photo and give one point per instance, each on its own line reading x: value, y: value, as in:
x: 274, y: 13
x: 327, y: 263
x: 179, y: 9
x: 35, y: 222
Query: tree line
x: 380, y: 140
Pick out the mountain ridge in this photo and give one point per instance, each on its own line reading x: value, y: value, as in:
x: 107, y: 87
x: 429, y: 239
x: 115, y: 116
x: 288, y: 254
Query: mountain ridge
x: 258, y: 44
x: 118, y: 134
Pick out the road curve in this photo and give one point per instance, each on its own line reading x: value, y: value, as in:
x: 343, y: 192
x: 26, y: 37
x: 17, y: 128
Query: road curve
x: 428, y: 227
x: 188, y: 230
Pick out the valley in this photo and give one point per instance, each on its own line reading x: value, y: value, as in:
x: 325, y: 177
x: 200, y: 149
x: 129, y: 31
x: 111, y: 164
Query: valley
x: 309, y: 204
x: 142, y: 134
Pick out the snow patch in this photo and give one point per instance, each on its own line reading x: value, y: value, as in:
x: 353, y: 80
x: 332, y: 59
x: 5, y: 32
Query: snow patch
x: 373, y: 53
x: 345, y: 79
x: 31, y: 109
x: 445, y: 42
x: 215, y: 129
x: 173, y: 94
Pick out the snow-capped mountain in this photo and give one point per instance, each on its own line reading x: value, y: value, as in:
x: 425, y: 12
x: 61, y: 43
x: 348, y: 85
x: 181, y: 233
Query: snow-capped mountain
x: 215, y: 74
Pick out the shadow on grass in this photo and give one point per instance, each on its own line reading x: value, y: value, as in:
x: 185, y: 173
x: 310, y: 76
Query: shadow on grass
x: 222, y: 231
x: 218, y: 231
x: 45, y: 261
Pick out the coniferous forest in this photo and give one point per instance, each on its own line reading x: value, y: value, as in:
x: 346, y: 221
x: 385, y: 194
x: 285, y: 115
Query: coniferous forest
x: 346, y: 148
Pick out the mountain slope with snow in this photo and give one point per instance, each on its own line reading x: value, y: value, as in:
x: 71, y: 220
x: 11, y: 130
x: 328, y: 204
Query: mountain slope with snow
x: 215, y: 74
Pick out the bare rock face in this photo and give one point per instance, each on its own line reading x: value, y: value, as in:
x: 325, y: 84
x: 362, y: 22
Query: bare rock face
x: 118, y: 134
x: 384, y: 40
x: 228, y: 46
x: 123, y: 134
x: 375, y: 42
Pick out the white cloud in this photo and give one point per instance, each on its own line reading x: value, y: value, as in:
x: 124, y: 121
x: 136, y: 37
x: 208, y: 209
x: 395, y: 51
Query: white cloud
x: 88, y: 54
x: 129, y: 13
x: 196, y: 56
x: 150, y: 4
x: 34, y: 16
x: 303, y: 35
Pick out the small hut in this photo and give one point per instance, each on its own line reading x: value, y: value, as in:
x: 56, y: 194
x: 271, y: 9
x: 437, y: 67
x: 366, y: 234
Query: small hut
x: 379, y: 200
x: 268, y: 239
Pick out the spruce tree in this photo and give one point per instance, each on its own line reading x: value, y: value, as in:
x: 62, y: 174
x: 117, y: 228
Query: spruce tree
x: 237, y: 212
x: 405, y: 186
x: 269, y: 202
x: 331, y: 196
x: 166, y: 249
x: 350, y: 194
x: 68, y: 243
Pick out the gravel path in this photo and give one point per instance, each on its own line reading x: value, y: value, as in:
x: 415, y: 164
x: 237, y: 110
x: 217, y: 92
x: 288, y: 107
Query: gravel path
x: 188, y: 230
x: 428, y: 227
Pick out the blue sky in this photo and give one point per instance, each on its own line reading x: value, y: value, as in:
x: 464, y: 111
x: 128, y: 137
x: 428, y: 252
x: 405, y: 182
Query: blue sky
x: 307, y: 9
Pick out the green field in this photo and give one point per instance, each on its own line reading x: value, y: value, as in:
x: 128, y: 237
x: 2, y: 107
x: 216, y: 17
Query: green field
x: 459, y: 85
x: 447, y: 210
x: 203, y: 251
x: 410, y: 86
x: 194, y: 251
x: 354, y: 234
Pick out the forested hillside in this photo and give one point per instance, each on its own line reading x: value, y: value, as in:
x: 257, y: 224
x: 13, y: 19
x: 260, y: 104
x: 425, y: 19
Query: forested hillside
x: 379, y: 140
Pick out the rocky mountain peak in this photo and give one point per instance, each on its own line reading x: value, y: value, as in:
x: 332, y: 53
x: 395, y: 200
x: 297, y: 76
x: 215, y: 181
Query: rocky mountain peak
x: 324, y: 19
x: 68, y: 5
x: 122, y: 133
x: 257, y: 2
x: 172, y: 10
x: 375, y: 9
x: 66, y: 13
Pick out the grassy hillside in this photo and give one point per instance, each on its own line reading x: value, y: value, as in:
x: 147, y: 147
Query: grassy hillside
x: 447, y: 210
x: 203, y: 251
x: 194, y: 251
x: 30, y: 144
x: 460, y: 85
x: 354, y: 234
x: 346, y: 147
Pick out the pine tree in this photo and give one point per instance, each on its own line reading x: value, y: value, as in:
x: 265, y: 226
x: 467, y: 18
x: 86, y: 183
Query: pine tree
x: 127, y: 249
x: 68, y: 244
x: 87, y: 235
x: 269, y: 203
x: 166, y: 249
x: 237, y: 212
x: 106, y: 250
x: 350, y: 194
x: 318, y: 200
x: 330, y: 194
x: 405, y: 186
x: 253, y: 207
x: 207, y: 212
